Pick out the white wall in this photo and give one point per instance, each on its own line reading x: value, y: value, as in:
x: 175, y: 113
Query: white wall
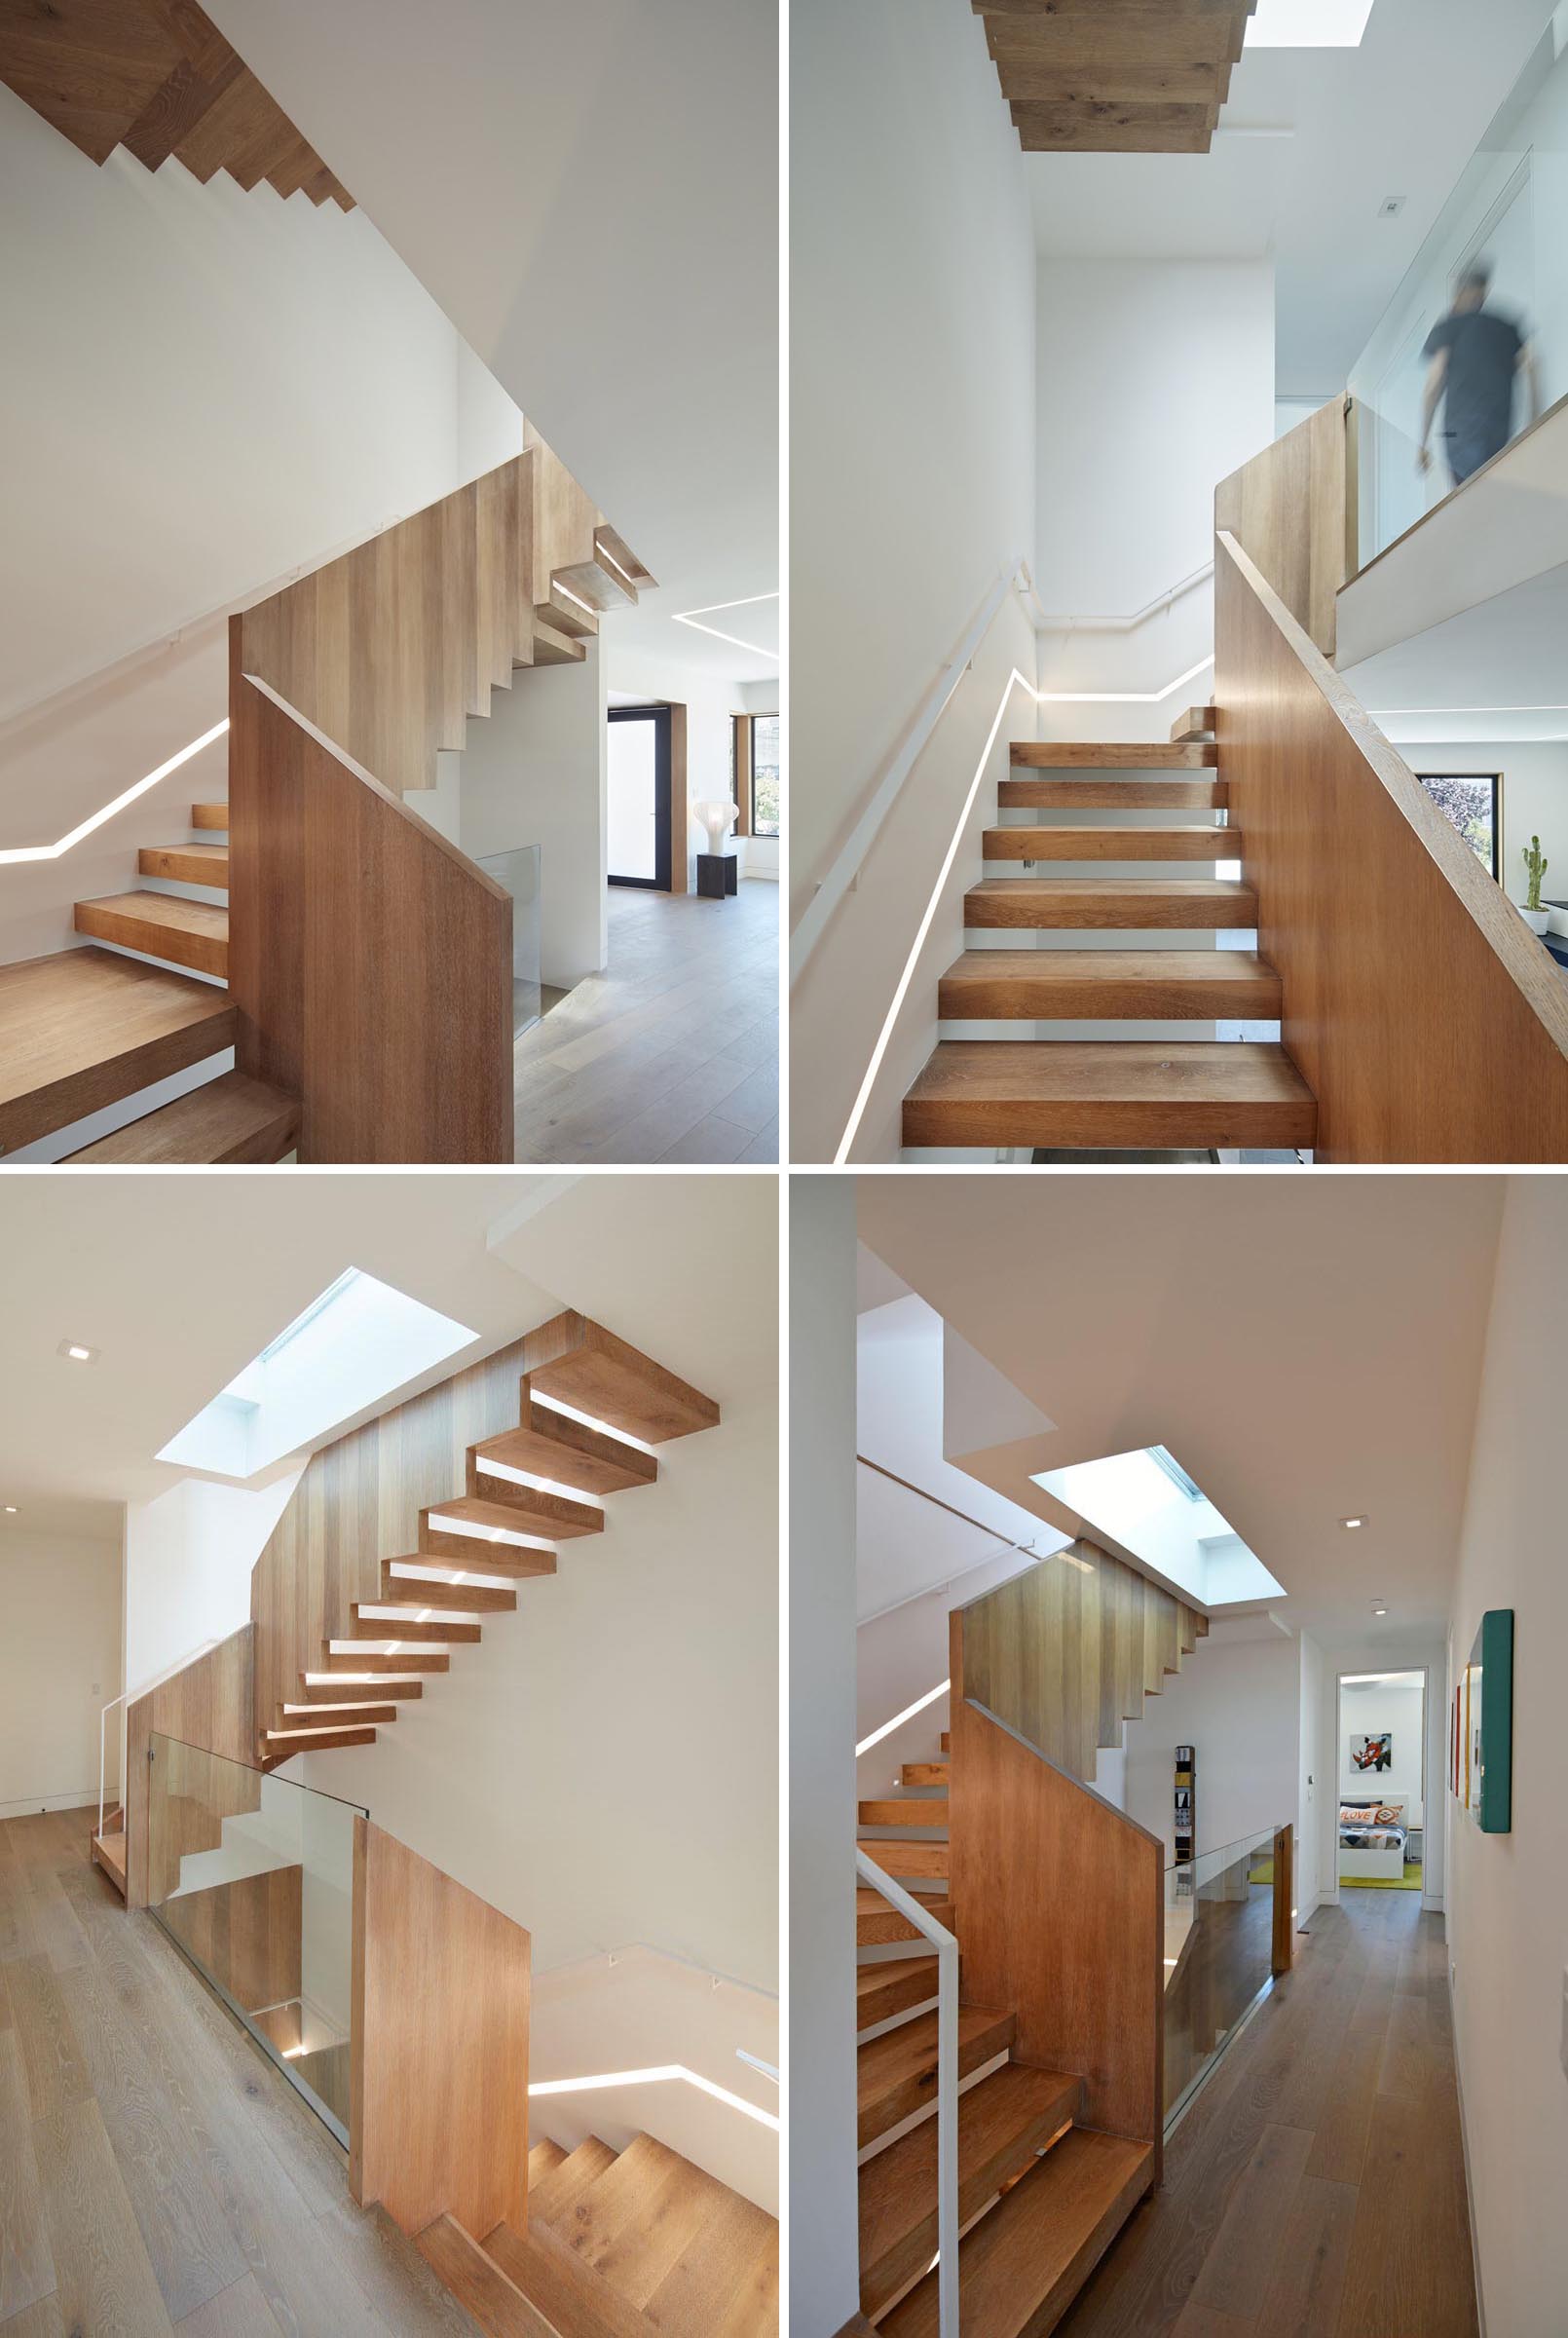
x: 60, y: 1665
x: 212, y: 388
x: 533, y: 772
x: 1316, y: 1786
x: 1535, y: 797
x: 911, y: 466
x: 824, y: 2229
x: 1365, y: 1711
x: 1155, y: 380
x: 1508, y: 1897
x: 189, y: 1554
x: 1239, y: 1706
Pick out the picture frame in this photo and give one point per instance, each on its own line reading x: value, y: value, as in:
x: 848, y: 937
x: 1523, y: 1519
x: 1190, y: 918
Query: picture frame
x: 1488, y: 1752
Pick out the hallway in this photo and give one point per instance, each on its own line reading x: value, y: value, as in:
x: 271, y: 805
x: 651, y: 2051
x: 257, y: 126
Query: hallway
x: 1316, y: 2189
x: 155, y: 2172
x: 672, y: 1053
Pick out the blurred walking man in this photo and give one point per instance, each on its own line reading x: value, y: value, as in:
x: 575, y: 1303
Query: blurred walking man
x: 1475, y: 353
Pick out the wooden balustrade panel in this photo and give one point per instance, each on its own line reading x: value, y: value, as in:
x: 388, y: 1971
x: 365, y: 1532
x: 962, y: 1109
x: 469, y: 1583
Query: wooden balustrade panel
x: 1426, y: 1018
x: 210, y: 1703
x: 1294, y: 509
x: 369, y: 960
x: 1059, y: 1913
x: 357, y: 1503
x: 390, y: 648
x: 439, y: 2045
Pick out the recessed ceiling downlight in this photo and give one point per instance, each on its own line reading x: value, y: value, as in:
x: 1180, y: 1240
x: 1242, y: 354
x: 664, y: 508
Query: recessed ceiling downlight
x: 1350, y: 1523
x: 76, y: 1351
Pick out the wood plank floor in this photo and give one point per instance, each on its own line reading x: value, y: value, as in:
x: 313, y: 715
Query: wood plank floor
x: 155, y: 2172
x: 672, y: 1053
x: 1316, y: 2189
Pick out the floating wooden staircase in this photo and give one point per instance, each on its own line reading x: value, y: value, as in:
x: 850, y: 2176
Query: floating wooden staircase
x: 1108, y: 813
x: 503, y: 1527
x: 158, y: 78
x: 1116, y: 76
x: 108, y: 1850
x: 1040, y: 2196
x: 619, y: 2244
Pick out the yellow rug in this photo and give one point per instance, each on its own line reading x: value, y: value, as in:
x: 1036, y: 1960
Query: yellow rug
x: 1411, y: 1881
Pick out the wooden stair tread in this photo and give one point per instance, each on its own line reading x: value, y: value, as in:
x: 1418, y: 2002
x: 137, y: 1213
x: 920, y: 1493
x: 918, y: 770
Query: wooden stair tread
x: 528, y: 1506
x: 192, y: 933
x: 553, y: 1444
x: 618, y: 2200
x: 332, y: 1691
x: 909, y: 1857
x: 279, y: 1744
x: 109, y: 1850
x: 211, y: 815
x: 897, y: 2073
x: 477, y: 1510
x: 574, y: 2299
x: 911, y: 1810
x: 883, y: 1990
x: 432, y: 1591
x: 1110, y: 755
x: 1197, y: 723
x: 725, y: 2279
x: 1025, y: 2261
x: 876, y: 1923
x: 230, y: 1118
x: 1002, y: 2122
x: 1091, y: 985
x: 372, y: 1662
x: 947, y: 1740
x: 478, y: 2284
x: 346, y: 1714
x: 584, y: 1366
x: 382, y: 1627
x: 187, y: 864
x: 552, y: 2201
x: 927, y: 1773
x: 544, y: 2158
x: 478, y: 1553
x: 83, y: 1027
x: 1129, y: 1092
x: 1209, y: 904
x: 1038, y: 842
x: 1114, y: 795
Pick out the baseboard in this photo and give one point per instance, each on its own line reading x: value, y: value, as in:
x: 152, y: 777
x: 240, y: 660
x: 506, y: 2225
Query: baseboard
x: 1464, y: 2145
x: 85, y: 1797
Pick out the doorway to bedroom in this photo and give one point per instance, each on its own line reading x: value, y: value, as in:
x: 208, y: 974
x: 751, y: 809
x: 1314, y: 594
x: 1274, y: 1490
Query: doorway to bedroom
x: 1381, y: 1781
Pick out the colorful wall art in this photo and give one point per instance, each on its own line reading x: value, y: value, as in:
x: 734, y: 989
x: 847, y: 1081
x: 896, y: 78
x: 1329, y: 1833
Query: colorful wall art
x: 1373, y: 1752
x: 1481, y: 1729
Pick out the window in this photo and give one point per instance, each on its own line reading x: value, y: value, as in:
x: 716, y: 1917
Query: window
x: 1472, y: 803
x: 764, y: 775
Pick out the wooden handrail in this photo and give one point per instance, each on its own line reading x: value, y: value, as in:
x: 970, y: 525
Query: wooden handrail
x: 1060, y: 1902
x: 370, y: 960
x: 1427, y: 1019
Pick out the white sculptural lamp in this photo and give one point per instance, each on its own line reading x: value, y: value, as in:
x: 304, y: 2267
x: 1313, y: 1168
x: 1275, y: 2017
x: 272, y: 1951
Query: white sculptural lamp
x: 717, y: 818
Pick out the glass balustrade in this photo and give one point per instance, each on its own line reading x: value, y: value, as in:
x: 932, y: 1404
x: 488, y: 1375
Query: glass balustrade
x: 519, y: 872
x: 1507, y: 215
x: 251, y: 1875
x: 1218, y: 1956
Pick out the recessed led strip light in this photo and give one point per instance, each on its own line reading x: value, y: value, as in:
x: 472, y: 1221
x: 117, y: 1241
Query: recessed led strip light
x: 527, y: 1477
x: 690, y: 616
x: 590, y: 1420
x: 664, y: 2072
x: 19, y: 853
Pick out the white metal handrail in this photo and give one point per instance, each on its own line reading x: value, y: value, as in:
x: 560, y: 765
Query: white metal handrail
x: 143, y: 1691
x: 946, y: 1947
x: 1139, y: 617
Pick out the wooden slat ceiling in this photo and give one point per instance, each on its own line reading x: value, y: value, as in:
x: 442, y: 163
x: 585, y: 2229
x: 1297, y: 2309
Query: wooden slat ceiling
x: 158, y: 78
x: 1115, y: 76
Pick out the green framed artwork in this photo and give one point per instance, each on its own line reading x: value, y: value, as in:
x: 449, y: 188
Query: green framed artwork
x: 1489, y: 1709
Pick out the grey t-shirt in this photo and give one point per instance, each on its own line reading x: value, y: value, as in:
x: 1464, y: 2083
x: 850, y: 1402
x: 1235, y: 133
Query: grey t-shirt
x: 1484, y: 357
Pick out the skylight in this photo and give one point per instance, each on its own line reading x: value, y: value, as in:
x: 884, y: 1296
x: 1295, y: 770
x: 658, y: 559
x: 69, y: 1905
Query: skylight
x: 355, y: 1344
x: 1308, y: 23
x: 1154, y: 1508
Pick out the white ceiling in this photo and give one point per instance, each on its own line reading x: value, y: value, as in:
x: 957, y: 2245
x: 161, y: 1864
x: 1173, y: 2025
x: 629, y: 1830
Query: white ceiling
x: 1497, y: 671
x: 592, y: 196
x: 1399, y: 115
x: 179, y: 1281
x: 1308, y: 1348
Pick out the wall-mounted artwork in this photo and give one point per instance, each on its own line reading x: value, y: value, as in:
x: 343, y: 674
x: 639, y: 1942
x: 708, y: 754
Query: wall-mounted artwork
x: 1373, y: 1752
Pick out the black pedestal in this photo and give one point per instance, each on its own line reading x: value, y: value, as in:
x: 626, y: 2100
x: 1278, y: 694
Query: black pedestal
x: 718, y: 874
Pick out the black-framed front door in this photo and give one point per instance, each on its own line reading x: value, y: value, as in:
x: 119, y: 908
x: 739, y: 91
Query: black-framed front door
x: 639, y: 797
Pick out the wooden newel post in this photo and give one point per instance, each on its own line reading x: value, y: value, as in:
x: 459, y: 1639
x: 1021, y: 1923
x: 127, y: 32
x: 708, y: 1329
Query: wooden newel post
x: 1284, y: 1898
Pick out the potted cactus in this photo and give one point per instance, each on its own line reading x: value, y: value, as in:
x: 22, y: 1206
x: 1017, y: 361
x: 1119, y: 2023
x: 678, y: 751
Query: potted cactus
x: 1536, y: 865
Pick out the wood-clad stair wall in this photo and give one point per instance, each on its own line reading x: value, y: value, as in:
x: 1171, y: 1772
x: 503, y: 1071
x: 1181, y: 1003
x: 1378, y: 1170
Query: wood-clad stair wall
x: 158, y: 78
x: 1067, y: 1652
